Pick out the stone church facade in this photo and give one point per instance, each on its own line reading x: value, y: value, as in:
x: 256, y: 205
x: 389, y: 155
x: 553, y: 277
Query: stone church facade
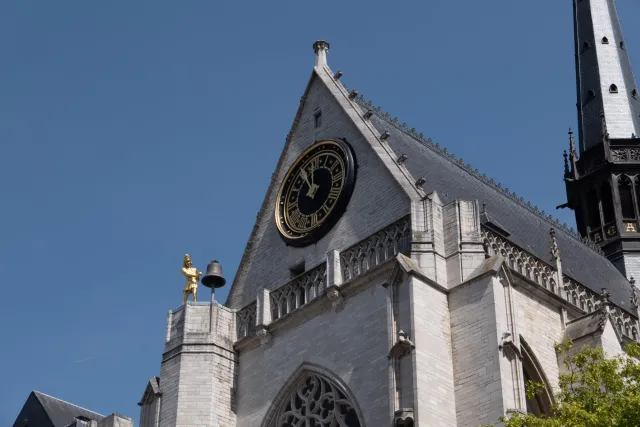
x: 387, y: 283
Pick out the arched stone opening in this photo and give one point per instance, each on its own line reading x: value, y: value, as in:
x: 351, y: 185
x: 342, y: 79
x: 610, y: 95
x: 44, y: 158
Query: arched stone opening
x: 540, y: 404
x: 313, y: 397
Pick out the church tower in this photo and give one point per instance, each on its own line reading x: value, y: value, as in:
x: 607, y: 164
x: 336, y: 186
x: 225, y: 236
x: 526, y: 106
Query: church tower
x: 603, y: 179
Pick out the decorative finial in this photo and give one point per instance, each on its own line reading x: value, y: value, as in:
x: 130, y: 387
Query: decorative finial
x: 604, y: 296
x: 320, y: 48
x: 603, y: 120
x: 635, y: 298
x: 555, y: 251
x: 192, y: 275
x: 484, y: 208
x: 567, y: 173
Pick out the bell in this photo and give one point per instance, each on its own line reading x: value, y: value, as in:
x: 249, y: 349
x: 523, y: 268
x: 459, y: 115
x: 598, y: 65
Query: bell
x: 213, y: 278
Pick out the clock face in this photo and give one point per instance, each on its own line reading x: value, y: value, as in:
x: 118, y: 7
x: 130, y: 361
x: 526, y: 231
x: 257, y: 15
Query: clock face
x: 315, y: 192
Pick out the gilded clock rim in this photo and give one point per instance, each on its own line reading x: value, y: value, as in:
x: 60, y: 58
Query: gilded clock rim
x: 317, y: 232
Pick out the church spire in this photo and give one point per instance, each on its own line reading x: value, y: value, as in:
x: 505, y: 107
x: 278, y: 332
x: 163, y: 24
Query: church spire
x: 607, y: 92
x: 603, y: 184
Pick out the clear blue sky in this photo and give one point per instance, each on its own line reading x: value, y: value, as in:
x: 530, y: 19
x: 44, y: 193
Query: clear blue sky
x: 132, y: 132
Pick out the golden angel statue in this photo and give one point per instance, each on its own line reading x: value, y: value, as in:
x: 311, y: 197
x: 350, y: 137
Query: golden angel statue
x: 192, y: 275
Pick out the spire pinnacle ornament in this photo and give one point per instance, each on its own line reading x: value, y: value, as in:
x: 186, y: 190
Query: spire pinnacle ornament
x: 555, y: 251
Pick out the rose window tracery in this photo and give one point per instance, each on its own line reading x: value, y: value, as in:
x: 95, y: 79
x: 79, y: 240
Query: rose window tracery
x: 316, y: 402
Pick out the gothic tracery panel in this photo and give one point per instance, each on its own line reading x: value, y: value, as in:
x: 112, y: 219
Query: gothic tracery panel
x: 542, y: 273
x: 316, y: 402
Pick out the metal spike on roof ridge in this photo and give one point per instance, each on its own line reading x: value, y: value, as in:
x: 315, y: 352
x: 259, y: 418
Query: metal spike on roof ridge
x: 428, y: 142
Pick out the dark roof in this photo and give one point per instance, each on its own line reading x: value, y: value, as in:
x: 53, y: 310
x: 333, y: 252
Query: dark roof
x: 526, y: 227
x: 63, y: 413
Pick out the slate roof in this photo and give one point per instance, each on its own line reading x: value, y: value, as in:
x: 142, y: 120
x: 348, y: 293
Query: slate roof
x: 62, y: 413
x: 528, y: 229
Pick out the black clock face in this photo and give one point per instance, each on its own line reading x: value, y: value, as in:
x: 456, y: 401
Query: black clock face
x: 315, y: 192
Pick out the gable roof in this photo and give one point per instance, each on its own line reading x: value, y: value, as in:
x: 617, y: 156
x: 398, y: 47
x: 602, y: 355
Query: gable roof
x: 62, y: 413
x: 242, y: 293
x: 527, y: 226
x: 150, y: 391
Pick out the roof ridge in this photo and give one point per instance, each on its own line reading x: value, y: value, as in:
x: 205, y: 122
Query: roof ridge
x: 443, y: 152
x: 36, y: 392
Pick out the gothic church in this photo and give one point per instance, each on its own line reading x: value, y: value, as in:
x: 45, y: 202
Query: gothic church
x: 386, y: 283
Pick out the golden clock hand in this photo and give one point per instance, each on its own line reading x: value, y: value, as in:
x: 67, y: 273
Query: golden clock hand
x: 305, y: 176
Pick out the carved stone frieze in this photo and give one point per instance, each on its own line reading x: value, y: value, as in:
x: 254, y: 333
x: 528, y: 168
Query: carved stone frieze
x: 299, y: 292
x: 246, y: 321
x: 543, y: 274
x: 375, y: 250
x: 624, y: 155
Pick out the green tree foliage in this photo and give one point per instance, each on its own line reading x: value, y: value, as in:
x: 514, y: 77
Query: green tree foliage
x: 596, y: 391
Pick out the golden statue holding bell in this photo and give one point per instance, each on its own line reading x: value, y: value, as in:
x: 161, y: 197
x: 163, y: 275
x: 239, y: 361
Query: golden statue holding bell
x: 193, y: 276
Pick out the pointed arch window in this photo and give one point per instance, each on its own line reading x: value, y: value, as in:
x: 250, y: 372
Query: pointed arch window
x: 637, y: 191
x: 540, y: 404
x: 593, y: 212
x: 607, y: 203
x: 613, y: 89
x: 314, y: 400
x: 625, y: 188
x: 605, y: 40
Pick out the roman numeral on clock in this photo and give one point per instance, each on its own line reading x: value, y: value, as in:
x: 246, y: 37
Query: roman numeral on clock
x: 295, y: 217
x: 314, y: 164
x: 333, y: 194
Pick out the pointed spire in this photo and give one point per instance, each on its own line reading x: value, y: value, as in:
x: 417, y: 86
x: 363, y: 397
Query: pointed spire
x: 572, y: 144
x: 321, y: 48
x: 555, y: 252
x: 635, y: 300
x: 603, y: 121
x: 604, y: 75
x: 570, y: 169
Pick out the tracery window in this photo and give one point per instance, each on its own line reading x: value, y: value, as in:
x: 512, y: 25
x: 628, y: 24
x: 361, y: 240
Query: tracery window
x: 315, y: 401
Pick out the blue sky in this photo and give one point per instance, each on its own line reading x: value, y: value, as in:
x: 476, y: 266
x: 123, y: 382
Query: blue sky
x: 133, y: 132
